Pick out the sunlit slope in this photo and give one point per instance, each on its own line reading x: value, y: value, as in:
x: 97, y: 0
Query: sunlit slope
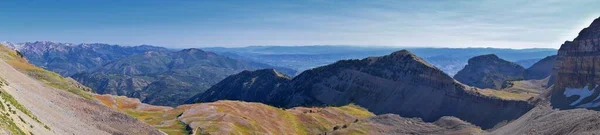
x: 43, y: 102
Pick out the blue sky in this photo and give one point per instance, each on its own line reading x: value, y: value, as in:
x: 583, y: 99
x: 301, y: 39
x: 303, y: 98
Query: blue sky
x: 181, y: 24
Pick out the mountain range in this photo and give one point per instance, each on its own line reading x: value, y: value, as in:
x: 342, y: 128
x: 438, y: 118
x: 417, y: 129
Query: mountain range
x: 145, y: 72
x: 395, y: 93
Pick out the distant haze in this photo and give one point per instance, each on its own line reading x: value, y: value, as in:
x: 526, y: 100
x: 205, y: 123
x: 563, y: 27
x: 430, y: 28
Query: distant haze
x: 186, y: 24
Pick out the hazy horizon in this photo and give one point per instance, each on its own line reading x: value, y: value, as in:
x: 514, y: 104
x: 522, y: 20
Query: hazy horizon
x: 367, y: 46
x: 199, y: 24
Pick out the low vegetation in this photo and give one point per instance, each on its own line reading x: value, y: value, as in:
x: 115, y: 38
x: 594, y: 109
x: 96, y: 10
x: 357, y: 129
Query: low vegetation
x: 8, y: 123
x: 10, y: 100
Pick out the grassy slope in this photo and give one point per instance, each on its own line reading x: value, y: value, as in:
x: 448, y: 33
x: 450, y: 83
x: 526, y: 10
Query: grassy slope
x: 50, y: 78
x: 6, y: 122
x: 235, y: 117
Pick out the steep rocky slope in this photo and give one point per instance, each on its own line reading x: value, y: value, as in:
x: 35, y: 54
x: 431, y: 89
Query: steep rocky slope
x: 164, y: 78
x: 576, y: 71
x: 399, y: 83
x: 43, y: 102
x: 540, y: 69
x: 543, y: 120
x: 249, y: 86
x: 489, y: 71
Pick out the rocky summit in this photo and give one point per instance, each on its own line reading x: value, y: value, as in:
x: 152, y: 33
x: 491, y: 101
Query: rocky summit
x: 399, y: 83
x: 577, y: 71
x: 489, y: 71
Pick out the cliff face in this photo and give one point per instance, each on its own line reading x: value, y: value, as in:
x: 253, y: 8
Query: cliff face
x: 399, y: 83
x: 489, y: 71
x: 251, y: 86
x: 541, y: 69
x: 577, y: 71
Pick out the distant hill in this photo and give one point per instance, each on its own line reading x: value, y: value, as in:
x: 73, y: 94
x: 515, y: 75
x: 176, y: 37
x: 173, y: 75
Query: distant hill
x: 489, y: 71
x: 528, y: 62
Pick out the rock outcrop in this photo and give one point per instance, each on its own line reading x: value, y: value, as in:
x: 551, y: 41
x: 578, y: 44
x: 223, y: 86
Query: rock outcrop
x: 489, y: 71
x: 251, y: 86
x: 540, y: 69
x: 577, y: 71
x: 399, y: 83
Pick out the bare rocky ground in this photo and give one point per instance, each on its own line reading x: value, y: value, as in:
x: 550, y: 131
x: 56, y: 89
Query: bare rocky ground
x: 66, y: 113
x: 546, y: 120
x: 543, y: 120
x: 391, y: 124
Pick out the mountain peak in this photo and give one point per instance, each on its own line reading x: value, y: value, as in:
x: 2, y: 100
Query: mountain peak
x: 485, y: 59
x: 192, y: 50
x: 591, y: 32
x: 402, y: 52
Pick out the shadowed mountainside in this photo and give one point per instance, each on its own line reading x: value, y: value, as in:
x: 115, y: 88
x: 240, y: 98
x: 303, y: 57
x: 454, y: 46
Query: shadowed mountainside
x: 250, y: 86
x: 541, y: 69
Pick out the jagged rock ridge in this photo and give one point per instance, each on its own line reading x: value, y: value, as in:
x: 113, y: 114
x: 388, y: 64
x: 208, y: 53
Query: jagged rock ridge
x: 489, y: 71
